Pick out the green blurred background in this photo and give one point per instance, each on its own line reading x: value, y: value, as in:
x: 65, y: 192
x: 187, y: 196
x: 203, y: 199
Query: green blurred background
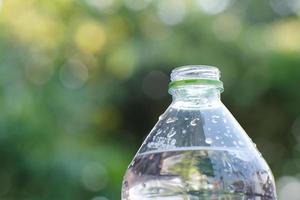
x: 83, y: 81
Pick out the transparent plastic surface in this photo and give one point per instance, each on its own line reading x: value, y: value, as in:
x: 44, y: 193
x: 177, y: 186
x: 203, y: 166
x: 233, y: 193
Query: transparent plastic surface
x: 197, y: 150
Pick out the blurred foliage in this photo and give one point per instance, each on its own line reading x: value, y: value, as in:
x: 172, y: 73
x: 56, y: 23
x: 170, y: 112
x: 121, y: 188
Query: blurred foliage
x: 83, y: 81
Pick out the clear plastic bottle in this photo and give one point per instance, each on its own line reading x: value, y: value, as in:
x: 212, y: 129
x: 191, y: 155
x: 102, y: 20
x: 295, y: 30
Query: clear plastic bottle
x: 197, y: 150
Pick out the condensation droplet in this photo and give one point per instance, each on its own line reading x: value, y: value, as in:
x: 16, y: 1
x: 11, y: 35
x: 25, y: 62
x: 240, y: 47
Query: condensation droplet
x: 158, y: 131
x: 173, y: 142
x: 204, y: 100
x: 217, y: 137
x: 225, y: 121
x: 171, y: 120
x: 241, y: 143
x: 186, y: 118
x: 214, y: 119
x: 193, y: 122
x: 171, y: 134
x: 234, y: 142
x: 208, y: 140
x: 209, y: 129
x: 184, y: 131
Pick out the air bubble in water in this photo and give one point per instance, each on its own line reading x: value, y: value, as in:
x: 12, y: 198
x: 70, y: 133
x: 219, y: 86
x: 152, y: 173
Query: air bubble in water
x: 171, y: 119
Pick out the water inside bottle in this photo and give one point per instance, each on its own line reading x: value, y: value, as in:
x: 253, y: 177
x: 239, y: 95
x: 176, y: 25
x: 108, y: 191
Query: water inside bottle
x: 197, y: 174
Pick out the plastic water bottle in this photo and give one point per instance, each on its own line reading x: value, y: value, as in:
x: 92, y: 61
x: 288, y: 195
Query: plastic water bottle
x: 197, y: 150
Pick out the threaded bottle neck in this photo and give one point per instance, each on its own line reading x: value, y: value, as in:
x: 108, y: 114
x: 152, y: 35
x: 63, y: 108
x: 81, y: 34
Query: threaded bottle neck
x: 196, y: 75
x: 196, y: 82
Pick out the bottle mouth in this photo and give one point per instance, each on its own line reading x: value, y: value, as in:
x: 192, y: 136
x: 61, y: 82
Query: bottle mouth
x: 196, y: 75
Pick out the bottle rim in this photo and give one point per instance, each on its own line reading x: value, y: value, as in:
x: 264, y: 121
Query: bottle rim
x: 196, y: 75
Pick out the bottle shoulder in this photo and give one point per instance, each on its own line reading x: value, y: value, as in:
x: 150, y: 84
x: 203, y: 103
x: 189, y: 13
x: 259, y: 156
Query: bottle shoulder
x: 204, y: 127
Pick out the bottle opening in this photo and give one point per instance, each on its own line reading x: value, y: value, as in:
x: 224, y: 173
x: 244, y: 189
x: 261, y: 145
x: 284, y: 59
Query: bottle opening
x: 196, y: 75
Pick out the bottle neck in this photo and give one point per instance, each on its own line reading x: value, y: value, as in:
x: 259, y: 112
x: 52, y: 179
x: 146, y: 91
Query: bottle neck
x: 195, y: 86
x: 195, y: 96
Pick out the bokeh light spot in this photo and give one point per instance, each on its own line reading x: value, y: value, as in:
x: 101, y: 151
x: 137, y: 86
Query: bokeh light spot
x: 73, y: 74
x: 122, y: 62
x: 90, y: 37
x: 285, y: 35
x: 172, y: 12
x: 1, y: 3
x: 136, y: 4
x: 213, y: 7
x: 288, y: 188
x: 32, y: 26
x: 102, y: 5
x: 227, y: 27
x: 94, y: 177
x: 285, y: 7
